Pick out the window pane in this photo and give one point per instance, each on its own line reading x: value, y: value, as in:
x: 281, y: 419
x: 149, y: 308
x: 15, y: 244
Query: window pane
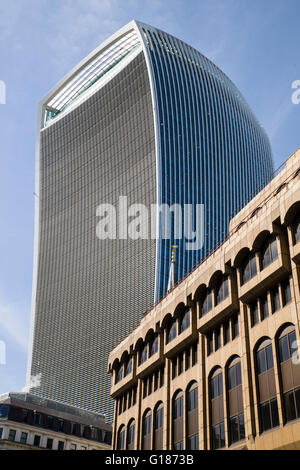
x: 254, y: 314
x: 238, y: 374
x: 275, y: 299
x: 231, y: 378
x: 274, y: 413
x: 261, y: 361
x: 242, y: 426
x: 283, y: 349
x: 274, y: 250
x: 222, y: 435
x: 292, y: 343
x: 214, y: 387
x: 220, y: 384
x: 264, y: 307
x: 265, y: 416
x: 269, y: 354
x: 234, y: 429
x: 286, y: 292
x: 290, y: 409
x: 297, y: 397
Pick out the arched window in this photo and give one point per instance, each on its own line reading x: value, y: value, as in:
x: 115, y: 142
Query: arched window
x: 144, y: 354
x: 267, y: 401
x: 128, y: 368
x: 248, y: 268
x: 217, y: 410
x: 119, y: 373
x: 158, y: 426
x: 178, y: 421
x: 147, y: 427
x: 296, y: 230
x: 131, y: 434
x: 172, y: 330
x: 185, y: 320
x: 192, y: 417
x: 222, y: 290
x: 290, y: 374
x: 269, y: 252
x: 207, y: 304
x: 235, y: 401
x: 121, y: 438
x: 154, y: 345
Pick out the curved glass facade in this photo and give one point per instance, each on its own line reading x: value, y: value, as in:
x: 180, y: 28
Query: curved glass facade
x: 212, y: 150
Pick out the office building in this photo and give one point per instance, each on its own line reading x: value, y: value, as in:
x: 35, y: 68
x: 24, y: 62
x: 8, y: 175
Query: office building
x: 215, y: 365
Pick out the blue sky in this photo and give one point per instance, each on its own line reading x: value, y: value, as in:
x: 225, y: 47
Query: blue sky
x: 255, y: 42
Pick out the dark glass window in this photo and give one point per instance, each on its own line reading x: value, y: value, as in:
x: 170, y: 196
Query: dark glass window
x: 11, y: 435
x: 178, y: 445
x: 264, y: 358
x: 24, y: 436
x: 144, y: 354
x: 286, y: 292
x: 131, y: 433
x: 210, y: 343
x: 193, y: 442
x: 207, y: 303
x: 180, y: 363
x: 275, y: 299
x: 248, y: 269
x: 296, y: 230
x: 254, y: 313
x: 192, y: 398
x: 119, y: 373
x: 121, y: 438
x: 222, y: 290
x: 264, y: 307
x: 217, y: 338
x: 186, y: 321
x: 237, y: 428
x: 154, y: 346
x: 194, y: 354
x: 292, y: 404
x: 49, y: 443
x: 1, y: 432
x: 37, y: 440
x: 217, y: 385
x: 147, y: 424
x: 235, y: 326
x: 174, y: 367
x: 218, y: 436
x: 159, y: 417
x: 269, y: 415
x: 129, y: 366
x: 226, y: 332
x: 178, y: 407
x: 172, y: 331
x: 287, y: 346
x: 187, y: 358
x: 234, y: 376
x: 61, y: 445
x: 269, y: 252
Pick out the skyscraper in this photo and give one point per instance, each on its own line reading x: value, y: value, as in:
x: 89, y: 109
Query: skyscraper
x: 147, y: 117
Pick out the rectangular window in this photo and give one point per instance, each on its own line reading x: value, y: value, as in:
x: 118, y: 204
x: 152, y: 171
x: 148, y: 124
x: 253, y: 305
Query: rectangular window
x: 264, y: 307
x: 269, y: 415
x: 226, y: 332
x: 162, y: 377
x: 254, y: 314
x: 1, y: 432
x: 194, y: 354
x: 3, y: 411
x: 24, y: 436
x: 150, y: 385
x: 187, y: 358
x: 12, y: 435
x: 286, y: 292
x: 275, y: 299
x: 210, y: 344
x: 193, y: 442
x: 61, y: 445
x: 174, y: 368
x: 235, y: 326
x: 218, y: 436
x: 49, y: 443
x: 217, y: 338
x: 73, y: 447
x: 180, y: 363
x: 37, y: 441
x: 237, y: 428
